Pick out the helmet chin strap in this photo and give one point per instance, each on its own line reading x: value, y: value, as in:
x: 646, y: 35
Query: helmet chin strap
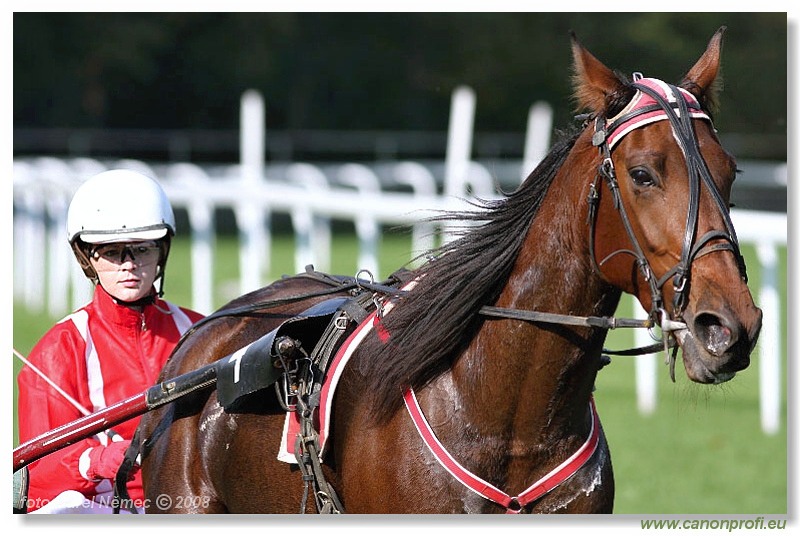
x: 165, y: 244
x: 141, y: 302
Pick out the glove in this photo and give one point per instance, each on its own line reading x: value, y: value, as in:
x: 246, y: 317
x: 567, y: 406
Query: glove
x: 105, y: 461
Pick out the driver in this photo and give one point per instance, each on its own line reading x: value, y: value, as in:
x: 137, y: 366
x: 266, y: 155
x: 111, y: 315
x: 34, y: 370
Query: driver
x: 120, y: 225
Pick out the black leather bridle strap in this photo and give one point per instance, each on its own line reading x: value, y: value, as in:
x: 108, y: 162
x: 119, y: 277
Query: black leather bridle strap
x: 608, y: 173
x: 697, y: 170
x: 700, y: 250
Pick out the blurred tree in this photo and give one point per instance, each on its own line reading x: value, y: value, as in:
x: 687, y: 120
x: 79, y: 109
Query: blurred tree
x: 368, y: 70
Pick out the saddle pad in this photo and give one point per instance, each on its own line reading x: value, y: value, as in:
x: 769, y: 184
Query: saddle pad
x: 291, y: 427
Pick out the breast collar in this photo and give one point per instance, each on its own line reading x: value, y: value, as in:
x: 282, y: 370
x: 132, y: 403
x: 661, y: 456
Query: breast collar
x: 512, y: 504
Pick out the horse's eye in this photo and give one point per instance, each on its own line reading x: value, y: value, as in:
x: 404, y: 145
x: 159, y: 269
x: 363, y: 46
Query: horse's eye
x: 641, y: 177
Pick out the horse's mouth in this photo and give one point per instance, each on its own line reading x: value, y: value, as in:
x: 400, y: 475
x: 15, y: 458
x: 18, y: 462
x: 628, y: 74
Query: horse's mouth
x: 702, y: 366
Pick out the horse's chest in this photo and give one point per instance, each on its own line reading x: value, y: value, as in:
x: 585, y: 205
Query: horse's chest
x: 468, y: 470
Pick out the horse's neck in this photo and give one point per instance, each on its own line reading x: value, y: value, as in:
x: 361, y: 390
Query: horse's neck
x: 539, y: 377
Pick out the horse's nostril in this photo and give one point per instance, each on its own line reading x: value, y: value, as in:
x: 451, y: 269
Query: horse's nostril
x: 716, y: 336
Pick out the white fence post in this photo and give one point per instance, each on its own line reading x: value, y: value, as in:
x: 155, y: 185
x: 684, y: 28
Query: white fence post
x: 34, y: 249
x: 59, y: 276
x: 201, y: 218
x: 646, y: 367
x: 537, y: 137
x: 459, y: 147
x: 200, y: 211
x: 766, y: 230
x: 312, y: 232
x: 28, y: 237
x: 459, y: 140
x: 252, y: 217
x: 55, y: 188
x: 769, y: 345
x: 423, y: 185
x: 365, y: 181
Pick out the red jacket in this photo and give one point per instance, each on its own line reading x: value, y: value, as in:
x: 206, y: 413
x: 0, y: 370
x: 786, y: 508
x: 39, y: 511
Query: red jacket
x: 100, y: 354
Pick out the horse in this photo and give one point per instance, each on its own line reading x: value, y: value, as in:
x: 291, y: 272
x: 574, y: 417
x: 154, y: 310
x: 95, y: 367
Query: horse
x: 468, y: 385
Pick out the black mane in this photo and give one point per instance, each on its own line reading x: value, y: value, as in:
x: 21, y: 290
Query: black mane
x: 432, y: 325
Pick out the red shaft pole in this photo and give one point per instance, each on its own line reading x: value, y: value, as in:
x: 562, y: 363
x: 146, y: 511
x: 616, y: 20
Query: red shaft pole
x: 155, y: 397
x: 69, y: 433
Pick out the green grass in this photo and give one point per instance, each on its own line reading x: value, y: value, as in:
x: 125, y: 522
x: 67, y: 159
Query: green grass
x: 701, y: 452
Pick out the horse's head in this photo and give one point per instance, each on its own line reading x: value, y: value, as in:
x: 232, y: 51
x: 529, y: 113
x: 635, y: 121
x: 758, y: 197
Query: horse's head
x: 660, y: 220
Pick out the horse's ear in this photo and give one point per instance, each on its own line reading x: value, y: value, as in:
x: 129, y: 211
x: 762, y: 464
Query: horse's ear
x: 703, y: 80
x: 594, y: 84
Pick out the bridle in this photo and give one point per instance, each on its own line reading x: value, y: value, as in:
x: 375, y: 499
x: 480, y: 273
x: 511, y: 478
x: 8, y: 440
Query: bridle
x: 653, y: 101
x: 609, y: 132
x: 679, y: 107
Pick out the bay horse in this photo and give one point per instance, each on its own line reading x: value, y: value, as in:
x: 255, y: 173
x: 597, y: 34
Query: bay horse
x: 458, y: 397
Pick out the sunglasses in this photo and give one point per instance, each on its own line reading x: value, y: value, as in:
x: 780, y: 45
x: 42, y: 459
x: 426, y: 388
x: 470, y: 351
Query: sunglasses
x: 139, y: 252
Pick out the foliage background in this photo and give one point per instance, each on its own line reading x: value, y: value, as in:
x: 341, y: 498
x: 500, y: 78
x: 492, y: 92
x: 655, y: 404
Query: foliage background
x: 351, y: 71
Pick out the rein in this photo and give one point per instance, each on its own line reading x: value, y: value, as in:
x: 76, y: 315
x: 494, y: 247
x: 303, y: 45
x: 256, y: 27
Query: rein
x: 602, y: 322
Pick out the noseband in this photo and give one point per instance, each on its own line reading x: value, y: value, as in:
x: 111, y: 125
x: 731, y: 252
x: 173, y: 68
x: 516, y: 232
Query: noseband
x: 655, y: 101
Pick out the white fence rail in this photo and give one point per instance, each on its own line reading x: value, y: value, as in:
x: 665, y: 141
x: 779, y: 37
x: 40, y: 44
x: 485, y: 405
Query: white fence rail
x: 312, y: 196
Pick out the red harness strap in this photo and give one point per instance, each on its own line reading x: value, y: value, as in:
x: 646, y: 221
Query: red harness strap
x: 486, y: 490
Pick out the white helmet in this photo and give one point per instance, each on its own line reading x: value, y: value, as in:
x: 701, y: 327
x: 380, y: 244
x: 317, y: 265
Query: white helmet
x: 119, y: 206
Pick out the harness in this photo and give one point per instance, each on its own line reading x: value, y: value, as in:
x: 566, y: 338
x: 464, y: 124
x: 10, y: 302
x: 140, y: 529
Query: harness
x: 300, y: 392
x: 280, y: 360
x: 512, y: 504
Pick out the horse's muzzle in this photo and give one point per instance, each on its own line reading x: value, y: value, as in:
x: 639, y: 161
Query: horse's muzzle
x: 717, y: 344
